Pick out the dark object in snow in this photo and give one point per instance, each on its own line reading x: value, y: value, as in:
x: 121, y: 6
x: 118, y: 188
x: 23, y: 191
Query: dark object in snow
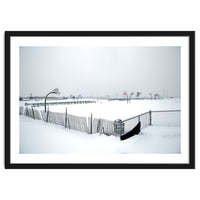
x: 134, y: 131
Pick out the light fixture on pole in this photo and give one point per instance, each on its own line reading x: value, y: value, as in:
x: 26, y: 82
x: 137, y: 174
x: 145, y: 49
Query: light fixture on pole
x: 55, y: 91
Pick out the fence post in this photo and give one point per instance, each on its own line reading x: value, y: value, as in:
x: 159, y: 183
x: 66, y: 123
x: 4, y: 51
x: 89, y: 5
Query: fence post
x: 68, y: 123
x: 26, y: 112
x: 66, y: 118
x: 47, y: 115
x: 91, y: 124
x: 98, y: 125
x: 33, y: 113
x: 150, y: 122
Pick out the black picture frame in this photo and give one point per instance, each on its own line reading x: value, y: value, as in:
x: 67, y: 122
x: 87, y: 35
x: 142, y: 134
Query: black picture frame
x: 191, y: 117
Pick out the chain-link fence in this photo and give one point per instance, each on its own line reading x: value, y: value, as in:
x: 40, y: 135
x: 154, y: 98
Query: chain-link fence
x: 130, y: 123
x: 155, y: 118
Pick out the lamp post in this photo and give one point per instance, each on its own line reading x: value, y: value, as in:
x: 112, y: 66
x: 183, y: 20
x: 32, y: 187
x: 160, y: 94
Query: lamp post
x: 55, y: 91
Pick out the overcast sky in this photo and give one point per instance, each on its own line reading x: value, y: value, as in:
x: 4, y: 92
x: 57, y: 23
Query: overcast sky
x: 99, y: 71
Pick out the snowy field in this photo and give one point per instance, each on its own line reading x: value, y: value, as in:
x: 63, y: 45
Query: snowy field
x: 37, y: 136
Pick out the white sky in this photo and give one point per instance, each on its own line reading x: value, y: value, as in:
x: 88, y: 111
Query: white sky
x: 97, y: 71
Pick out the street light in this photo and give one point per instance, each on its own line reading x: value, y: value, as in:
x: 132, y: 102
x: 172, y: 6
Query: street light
x: 55, y: 91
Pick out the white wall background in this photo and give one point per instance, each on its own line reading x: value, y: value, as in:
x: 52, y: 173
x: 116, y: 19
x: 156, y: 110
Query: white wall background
x: 98, y: 15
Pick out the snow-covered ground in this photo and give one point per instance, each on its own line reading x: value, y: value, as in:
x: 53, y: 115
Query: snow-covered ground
x: 37, y: 136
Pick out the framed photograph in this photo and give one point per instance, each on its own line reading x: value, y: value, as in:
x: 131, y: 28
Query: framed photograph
x: 99, y: 99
